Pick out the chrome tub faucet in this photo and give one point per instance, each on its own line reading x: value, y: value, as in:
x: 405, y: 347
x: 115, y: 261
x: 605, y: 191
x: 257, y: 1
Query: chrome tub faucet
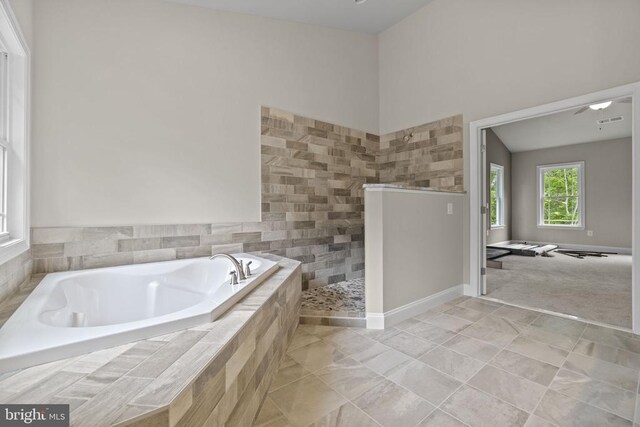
x: 239, y: 273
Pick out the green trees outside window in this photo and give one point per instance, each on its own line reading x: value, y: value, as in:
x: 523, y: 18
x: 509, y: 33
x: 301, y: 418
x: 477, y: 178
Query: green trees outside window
x: 561, y: 195
x: 496, y: 195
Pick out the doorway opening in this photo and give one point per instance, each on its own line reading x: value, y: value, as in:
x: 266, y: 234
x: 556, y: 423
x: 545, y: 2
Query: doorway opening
x: 553, y: 211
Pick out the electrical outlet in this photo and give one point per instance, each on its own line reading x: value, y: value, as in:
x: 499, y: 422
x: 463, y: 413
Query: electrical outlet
x: 590, y: 233
x: 449, y: 208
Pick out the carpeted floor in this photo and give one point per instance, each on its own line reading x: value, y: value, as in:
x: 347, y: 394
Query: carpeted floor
x: 597, y: 289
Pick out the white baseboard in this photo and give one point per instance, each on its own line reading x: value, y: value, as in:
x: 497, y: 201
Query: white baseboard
x: 397, y: 315
x: 469, y: 291
x: 575, y: 247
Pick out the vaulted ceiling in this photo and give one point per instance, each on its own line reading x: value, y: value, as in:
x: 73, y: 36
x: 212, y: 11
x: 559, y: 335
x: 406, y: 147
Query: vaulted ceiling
x: 566, y: 128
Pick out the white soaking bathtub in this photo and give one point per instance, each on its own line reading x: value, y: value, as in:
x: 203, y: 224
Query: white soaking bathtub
x: 77, y: 312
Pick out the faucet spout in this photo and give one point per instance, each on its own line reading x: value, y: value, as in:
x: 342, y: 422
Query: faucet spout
x: 237, y: 265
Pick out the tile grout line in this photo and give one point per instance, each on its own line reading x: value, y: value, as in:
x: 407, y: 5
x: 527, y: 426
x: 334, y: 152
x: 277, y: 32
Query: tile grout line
x: 501, y: 348
x: 314, y: 374
x: 556, y: 375
x: 347, y: 399
x: 569, y: 352
x: 435, y: 407
x: 463, y: 383
x: 596, y: 380
x: 529, y: 414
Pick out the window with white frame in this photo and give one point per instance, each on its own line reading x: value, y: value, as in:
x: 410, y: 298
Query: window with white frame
x: 4, y: 140
x: 14, y: 137
x: 561, y: 195
x: 496, y: 188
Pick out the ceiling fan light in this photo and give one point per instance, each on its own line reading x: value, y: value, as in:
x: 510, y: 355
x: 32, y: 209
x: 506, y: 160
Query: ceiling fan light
x: 601, y: 105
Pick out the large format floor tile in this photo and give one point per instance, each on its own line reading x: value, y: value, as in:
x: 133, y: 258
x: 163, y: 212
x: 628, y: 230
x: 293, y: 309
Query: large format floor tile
x: 597, y: 393
x: 270, y: 415
x: 466, y: 363
x: 409, y: 344
x: 350, y: 378
x: 316, y: 356
x: 612, y: 337
x: 501, y: 324
x: 388, y: 361
x: 450, y: 323
x: 480, y: 305
x: 472, y: 347
x: 451, y: 363
x: 289, y: 371
x: 517, y: 314
x: 607, y: 353
x: 301, y: 339
x: 441, y: 419
x: 519, y: 392
x: 537, y: 350
x: 392, y: 405
x: 525, y: 367
x: 426, y: 382
x: 306, y: 400
x: 477, y: 408
x: 615, y: 375
x: 348, y: 342
x: 466, y: 313
x: 345, y: 416
x: 430, y: 332
x: 565, y: 411
x: 489, y: 335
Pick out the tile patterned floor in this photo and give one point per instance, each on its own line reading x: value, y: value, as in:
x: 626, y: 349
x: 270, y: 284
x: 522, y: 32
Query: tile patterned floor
x: 344, y: 299
x: 468, y: 362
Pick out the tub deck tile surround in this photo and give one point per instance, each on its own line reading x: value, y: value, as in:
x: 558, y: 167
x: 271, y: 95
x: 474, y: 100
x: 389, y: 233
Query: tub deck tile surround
x: 311, y: 196
x: 212, y: 374
x: 15, y: 274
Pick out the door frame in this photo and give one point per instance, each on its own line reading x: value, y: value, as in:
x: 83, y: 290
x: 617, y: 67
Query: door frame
x: 478, y: 226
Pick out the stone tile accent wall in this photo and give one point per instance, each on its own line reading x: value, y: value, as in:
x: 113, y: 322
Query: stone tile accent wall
x: 312, y: 195
x: 312, y: 202
x: 428, y: 155
x: 13, y: 273
x: 214, y: 374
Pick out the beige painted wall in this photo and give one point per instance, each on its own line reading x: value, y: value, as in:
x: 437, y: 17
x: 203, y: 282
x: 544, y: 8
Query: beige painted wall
x: 149, y: 111
x: 23, y: 9
x: 499, y: 154
x: 412, y: 249
x: 374, y: 251
x: 181, y: 88
x: 487, y: 57
x: 608, y: 186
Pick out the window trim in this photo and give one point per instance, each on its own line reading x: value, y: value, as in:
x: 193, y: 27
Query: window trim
x: 499, y: 199
x: 540, y: 169
x: 15, y: 240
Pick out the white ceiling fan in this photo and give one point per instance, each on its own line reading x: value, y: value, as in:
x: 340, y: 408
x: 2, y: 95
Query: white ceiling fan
x: 602, y: 105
